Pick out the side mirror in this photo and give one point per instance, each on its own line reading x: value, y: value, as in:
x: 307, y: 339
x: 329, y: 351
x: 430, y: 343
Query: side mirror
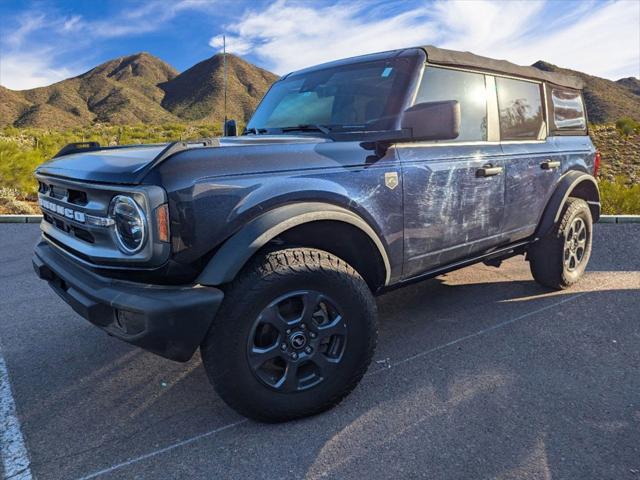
x: 432, y: 120
x: 230, y: 128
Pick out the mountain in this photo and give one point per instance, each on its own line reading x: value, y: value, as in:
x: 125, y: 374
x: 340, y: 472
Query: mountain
x: 606, y: 100
x: 631, y: 83
x: 198, y: 93
x: 139, y: 88
x: 123, y: 91
x: 142, y: 88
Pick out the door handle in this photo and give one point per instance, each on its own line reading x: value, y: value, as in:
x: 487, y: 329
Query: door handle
x: 549, y: 165
x: 488, y: 170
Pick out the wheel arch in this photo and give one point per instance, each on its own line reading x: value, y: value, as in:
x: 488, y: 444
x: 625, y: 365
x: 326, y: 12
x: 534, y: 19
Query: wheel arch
x: 572, y: 184
x: 303, y: 224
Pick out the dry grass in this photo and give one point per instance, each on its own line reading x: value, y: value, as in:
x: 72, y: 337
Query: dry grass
x: 11, y: 203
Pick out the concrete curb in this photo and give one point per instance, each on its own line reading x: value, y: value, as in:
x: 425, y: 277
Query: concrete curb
x: 619, y: 219
x: 20, y: 218
x: 37, y: 218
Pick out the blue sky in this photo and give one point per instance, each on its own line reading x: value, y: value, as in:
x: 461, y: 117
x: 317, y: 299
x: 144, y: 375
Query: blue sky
x: 43, y: 42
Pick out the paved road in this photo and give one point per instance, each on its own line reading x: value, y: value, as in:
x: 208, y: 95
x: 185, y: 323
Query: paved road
x: 478, y: 374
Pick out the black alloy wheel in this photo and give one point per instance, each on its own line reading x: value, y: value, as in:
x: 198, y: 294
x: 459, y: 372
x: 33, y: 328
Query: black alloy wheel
x: 575, y: 244
x: 297, y: 341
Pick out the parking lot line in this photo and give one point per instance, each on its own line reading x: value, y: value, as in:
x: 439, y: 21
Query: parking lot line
x: 163, y: 450
x: 13, y: 450
x: 478, y: 333
x: 391, y: 365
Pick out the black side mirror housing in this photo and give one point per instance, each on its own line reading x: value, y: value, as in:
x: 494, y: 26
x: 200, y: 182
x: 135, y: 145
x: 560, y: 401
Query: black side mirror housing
x: 432, y: 121
x: 230, y: 128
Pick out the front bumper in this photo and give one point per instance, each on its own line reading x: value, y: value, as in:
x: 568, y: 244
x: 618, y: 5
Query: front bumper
x: 170, y: 321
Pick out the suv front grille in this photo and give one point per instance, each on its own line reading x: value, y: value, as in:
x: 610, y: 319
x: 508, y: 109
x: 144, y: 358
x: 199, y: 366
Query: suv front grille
x: 66, y: 227
x: 71, y: 195
x: 76, y: 219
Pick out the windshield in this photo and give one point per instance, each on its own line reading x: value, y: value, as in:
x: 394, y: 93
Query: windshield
x: 350, y: 97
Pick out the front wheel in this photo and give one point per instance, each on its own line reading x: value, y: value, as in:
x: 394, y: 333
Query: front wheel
x: 295, y: 334
x: 559, y: 259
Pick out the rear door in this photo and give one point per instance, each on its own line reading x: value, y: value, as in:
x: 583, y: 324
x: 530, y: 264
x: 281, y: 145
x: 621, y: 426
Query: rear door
x: 453, y: 190
x: 531, y: 160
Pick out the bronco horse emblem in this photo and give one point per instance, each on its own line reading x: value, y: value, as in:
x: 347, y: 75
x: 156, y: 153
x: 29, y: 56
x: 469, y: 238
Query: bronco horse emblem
x: 391, y: 180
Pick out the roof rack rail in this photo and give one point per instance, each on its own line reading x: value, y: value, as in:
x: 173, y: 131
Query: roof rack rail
x: 76, y: 147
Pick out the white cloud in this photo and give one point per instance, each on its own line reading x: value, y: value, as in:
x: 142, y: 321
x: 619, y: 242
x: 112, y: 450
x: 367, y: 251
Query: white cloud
x: 598, y: 38
x: 72, y: 23
x: 591, y: 36
x: 28, y: 58
x: 291, y: 36
x: 20, y: 72
x: 26, y: 25
x: 149, y: 16
x: 605, y: 42
x: 602, y: 40
x: 236, y: 45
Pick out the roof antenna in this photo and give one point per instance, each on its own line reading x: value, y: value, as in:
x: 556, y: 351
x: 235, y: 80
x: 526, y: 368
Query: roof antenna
x: 224, y: 60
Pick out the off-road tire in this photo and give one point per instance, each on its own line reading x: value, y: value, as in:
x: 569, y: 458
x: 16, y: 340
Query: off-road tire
x: 267, y: 277
x: 547, y: 255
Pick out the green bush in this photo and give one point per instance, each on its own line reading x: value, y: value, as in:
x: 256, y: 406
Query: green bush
x: 22, y: 150
x: 619, y: 198
x: 17, y: 166
x: 627, y: 126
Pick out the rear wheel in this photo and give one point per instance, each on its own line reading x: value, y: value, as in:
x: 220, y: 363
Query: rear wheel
x: 559, y: 259
x: 294, y: 336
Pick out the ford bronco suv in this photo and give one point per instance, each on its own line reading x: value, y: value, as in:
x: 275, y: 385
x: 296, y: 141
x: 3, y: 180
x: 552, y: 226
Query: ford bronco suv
x: 266, y: 250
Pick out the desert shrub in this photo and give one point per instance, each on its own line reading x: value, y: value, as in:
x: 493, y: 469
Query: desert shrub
x: 11, y: 204
x: 16, y: 168
x: 627, y: 126
x: 23, y: 149
x: 619, y: 198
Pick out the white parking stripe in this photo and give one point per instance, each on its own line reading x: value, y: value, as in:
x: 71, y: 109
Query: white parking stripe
x: 15, y: 458
x: 163, y: 450
x: 476, y: 334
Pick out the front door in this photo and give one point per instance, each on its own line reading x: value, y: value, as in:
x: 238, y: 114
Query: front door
x: 453, y: 203
x: 454, y: 190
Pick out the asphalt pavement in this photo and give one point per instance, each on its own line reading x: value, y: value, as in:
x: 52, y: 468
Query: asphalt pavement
x: 480, y: 373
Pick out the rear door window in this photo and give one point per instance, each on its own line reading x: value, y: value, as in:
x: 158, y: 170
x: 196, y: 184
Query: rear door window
x: 520, y: 107
x: 440, y: 84
x: 568, y: 109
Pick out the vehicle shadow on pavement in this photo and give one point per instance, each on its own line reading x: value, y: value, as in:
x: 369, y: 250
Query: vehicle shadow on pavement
x: 547, y: 397
x: 503, y: 403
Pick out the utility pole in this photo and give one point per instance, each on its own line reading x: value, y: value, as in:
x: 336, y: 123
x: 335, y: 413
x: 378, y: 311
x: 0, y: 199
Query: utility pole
x: 224, y: 60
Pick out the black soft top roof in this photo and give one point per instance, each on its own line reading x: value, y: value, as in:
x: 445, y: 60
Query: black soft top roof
x: 453, y: 58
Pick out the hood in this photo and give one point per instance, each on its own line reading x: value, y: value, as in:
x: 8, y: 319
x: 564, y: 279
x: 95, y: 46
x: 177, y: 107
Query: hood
x: 129, y: 164
x: 109, y: 165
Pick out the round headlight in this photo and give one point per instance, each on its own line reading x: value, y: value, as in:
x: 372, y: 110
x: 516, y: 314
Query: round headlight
x: 130, y: 223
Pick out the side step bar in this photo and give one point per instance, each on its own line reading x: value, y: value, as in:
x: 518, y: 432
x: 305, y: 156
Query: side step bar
x: 490, y: 257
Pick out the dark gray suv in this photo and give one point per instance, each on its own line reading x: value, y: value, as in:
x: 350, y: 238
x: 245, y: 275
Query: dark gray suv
x: 354, y: 177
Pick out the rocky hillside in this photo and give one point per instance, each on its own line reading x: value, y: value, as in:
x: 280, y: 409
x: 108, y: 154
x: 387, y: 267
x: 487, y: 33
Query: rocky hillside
x: 620, y: 155
x: 606, y: 100
x: 139, y: 88
x: 198, y: 93
x: 631, y: 83
x: 123, y: 91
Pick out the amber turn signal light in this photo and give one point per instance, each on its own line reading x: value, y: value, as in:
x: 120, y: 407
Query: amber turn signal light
x: 162, y: 222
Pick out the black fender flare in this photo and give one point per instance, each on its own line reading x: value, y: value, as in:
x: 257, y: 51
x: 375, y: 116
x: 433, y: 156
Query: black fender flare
x: 573, y: 181
x: 241, y: 246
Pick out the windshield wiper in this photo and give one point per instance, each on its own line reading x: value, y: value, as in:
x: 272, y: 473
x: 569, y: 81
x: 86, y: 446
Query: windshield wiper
x: 308, y: 128
x: 254, y: 131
